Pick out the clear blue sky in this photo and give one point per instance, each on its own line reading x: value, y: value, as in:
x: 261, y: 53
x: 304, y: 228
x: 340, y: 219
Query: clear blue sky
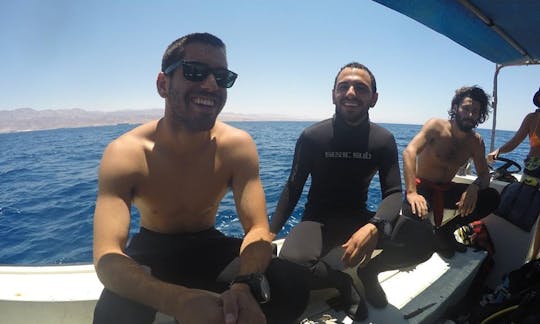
x: 105, y: 55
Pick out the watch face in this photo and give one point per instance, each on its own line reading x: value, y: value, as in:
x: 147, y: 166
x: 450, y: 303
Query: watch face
x: 258, y: 284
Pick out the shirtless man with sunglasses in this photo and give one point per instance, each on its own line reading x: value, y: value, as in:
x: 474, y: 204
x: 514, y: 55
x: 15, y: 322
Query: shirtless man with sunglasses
x: 175, y: 171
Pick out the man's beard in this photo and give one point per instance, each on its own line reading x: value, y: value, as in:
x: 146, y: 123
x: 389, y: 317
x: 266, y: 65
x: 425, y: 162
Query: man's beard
x: 200, y: 124
x: 354, y: 117
x: 467, y: 128
x: 190, y: 119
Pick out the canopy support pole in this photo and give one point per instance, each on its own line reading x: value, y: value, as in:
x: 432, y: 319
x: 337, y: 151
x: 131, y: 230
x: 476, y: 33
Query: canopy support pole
x: 498, y: 67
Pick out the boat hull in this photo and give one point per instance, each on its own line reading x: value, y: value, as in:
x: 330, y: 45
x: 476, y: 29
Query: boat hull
x: 68, y: 293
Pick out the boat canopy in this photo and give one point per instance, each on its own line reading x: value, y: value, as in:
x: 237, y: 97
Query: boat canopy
x: 505, y: 32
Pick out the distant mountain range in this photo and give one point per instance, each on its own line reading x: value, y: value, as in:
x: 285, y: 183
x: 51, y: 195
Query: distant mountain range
x: 28, y: 119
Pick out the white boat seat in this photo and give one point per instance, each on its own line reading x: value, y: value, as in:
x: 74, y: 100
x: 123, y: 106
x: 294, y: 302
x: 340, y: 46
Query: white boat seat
x: 439, y: 280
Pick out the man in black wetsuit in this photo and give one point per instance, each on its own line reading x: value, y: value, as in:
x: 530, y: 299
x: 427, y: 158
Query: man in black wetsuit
x: 342, y: 154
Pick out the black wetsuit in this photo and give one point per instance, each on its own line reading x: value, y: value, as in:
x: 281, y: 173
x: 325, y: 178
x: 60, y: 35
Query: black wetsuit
x: 342, y: 160
x: 417, y: 238
x: 197, y: 260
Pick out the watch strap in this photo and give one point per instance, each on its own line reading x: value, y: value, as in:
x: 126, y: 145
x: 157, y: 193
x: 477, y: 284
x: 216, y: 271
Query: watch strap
x: 384, y: 227
x: 258, y: 285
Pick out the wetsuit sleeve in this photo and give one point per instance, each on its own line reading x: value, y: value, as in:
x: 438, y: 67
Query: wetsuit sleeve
x: 390, y: 180
x: 290, y: 195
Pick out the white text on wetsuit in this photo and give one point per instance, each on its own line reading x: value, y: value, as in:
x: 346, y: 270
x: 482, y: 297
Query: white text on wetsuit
x: 348, y: 155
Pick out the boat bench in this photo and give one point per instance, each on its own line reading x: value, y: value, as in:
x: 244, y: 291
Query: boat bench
x: 68, y: 294
x: 48, y: 294
x: 437, y: 280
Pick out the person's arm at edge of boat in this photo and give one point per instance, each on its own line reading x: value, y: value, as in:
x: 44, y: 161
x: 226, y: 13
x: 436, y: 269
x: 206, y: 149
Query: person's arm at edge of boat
x: 256, y: 249
x: 416, y: 145
x: 293, y: 187
x: 359, y: 248
x: 518, y: 137
x: 390, y: 181
x: 469, y: 198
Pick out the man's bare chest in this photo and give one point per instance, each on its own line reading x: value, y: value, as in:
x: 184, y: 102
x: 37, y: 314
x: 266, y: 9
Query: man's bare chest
x: 193, y: 183
x: 450, y: 152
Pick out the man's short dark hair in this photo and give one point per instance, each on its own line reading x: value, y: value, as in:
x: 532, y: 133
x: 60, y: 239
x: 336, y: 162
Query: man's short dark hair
x: 475, y: 93
x: 176, y: 50
x: 356, y: 65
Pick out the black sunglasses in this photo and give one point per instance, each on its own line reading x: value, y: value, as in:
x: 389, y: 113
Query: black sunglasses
x: 196, y: 71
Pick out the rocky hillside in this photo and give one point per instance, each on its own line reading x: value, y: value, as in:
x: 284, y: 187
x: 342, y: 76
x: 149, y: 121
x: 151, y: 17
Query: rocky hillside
x: 26, y: 119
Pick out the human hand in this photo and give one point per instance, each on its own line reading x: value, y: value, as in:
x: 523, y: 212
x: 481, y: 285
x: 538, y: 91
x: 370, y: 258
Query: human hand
x: 492, y: 156
x: 467, y: 203
x: 360, y: 246
x: 240, y: 307
x: 418, y: 204
x: 200, y: 307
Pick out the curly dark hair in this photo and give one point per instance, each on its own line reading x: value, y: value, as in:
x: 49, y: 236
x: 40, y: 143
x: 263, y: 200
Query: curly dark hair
x: 475, y: 93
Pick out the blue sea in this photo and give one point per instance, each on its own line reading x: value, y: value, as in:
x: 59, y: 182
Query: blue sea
x: 48, y: 185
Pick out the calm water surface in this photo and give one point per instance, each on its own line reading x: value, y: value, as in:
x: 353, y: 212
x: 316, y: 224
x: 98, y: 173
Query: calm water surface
x: 48, y: 186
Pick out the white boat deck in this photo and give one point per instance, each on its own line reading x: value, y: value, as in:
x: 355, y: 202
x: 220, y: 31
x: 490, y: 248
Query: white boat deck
x: 49, y: 283
x: 438, y: 280
x: 67, y: 294
x: 48, y: 294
